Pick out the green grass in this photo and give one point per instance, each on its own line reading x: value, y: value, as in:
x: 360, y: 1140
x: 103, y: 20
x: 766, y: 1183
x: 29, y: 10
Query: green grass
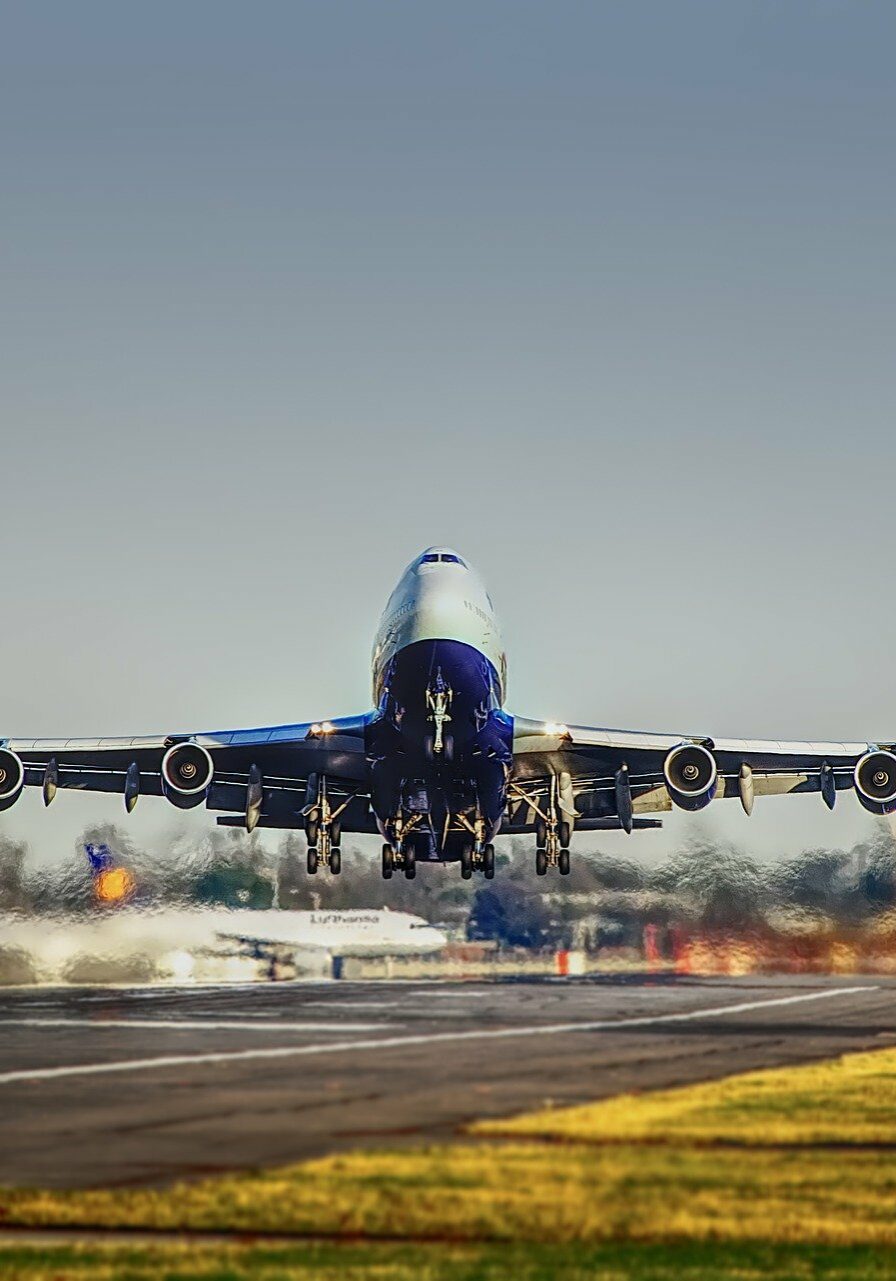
x: 614, y: 1262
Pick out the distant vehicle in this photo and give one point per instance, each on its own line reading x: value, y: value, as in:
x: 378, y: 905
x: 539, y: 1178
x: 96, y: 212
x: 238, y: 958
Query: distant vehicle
x: 439, y: 767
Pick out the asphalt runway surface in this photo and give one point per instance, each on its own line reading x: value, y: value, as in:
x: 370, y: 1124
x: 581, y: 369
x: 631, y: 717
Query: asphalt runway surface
x: 116, y: 1087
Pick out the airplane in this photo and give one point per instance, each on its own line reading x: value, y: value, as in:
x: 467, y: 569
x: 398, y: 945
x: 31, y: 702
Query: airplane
x: 198, y: 942
x: 439, y: 767
x: 195, y: 943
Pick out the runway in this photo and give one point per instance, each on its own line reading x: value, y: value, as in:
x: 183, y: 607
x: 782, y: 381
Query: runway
x: 149, y: 1085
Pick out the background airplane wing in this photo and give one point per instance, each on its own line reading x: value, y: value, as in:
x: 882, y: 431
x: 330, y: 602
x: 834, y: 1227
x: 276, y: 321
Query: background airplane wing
x: 262, y: 772
x: 605, y: 777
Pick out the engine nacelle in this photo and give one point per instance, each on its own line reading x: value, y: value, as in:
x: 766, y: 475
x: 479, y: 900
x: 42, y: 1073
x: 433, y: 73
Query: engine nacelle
x: 12, y: 778
x: 187, y: 773
x: 875, y: 780
x: 691, y: 776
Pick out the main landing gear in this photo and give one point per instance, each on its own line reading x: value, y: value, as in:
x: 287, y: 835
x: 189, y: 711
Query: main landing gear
x: 553, y: 832
x: 404, y: 859
x: 480, y: 858
x: 552, y: 847
x: 322, y: 828
x: 400, y: 854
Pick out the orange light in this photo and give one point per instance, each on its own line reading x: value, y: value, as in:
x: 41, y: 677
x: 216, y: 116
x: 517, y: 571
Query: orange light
x: 114, y: 885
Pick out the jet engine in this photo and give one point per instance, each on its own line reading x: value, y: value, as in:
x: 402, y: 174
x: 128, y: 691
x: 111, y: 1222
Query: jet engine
x: 12, y: 778
x: 691, y: 776
x: 187, y: 772
x: 875, y: 780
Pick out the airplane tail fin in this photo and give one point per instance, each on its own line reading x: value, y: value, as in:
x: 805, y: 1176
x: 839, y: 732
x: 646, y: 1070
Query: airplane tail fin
x: 112, y: 882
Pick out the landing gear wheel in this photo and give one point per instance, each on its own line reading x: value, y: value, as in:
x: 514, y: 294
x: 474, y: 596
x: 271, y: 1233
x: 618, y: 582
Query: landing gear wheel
x: 335, y: 862
x: 541, y: 862
x: 563, y: 862
x: 448, y: 748
x: 428, y: 750
x: 564, y: 832
x: 488, y: 862
x: 312, y: 860
x: 335, y: 832
x: 466, y: 863
x: 541, y: 833
x: 388, y: 862
x: 312, y: 827
x: 410, y: 863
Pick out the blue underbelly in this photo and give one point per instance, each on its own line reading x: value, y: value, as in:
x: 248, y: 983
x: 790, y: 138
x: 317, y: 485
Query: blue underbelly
x: 440, y: 745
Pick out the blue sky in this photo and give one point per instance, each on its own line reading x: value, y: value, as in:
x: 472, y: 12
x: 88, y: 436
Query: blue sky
x: 601, y: 294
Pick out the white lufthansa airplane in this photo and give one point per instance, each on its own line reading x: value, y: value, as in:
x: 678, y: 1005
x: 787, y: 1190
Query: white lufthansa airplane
x: 181, y: 943
x: 439, y: 767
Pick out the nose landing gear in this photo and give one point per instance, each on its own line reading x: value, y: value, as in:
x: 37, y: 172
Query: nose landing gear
x: 439, y: 695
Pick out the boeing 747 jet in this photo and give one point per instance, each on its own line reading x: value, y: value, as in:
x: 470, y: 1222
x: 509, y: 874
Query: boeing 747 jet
x: 439, y: 767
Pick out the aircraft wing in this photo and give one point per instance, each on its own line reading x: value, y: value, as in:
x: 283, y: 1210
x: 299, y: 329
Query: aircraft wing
x: 266, y: 769
x: 606, y: 777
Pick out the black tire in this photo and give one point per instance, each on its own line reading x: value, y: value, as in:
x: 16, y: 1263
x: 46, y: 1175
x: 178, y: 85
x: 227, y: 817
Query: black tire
x: 428, y: 750
x: 335, y: 831
x: 541, y: 862
x: 466, y: 862
x: 563, y: 862
x: 564, y: 833
x: 448, y: 748
x: 312, y: 860
x: 312, y: 828
x: 335, y: 861
x: 388, y: 862
x: 410, y: 862
x: 488, y: 862
x: 541, y: 833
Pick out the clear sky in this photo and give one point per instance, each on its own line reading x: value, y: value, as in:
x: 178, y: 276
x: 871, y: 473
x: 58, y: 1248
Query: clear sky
x: 600, y: 293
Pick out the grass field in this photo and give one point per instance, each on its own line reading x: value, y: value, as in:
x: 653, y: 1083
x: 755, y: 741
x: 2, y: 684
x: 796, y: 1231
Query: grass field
x: 310, y: 1262
x: 780, y: 1173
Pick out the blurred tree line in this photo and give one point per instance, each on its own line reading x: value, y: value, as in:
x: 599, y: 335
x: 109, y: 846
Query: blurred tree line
x: 707, y: 885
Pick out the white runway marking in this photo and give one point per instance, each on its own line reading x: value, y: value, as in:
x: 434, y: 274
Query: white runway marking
x: 190, y: 1025
x: 396, y: 1042
x: 351, y: 1005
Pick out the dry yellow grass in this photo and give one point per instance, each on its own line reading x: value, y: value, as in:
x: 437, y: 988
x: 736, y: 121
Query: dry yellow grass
x: 519, y: 1192
x: 850, y: 1100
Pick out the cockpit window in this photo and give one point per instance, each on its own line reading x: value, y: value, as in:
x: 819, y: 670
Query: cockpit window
x: 447, y: 558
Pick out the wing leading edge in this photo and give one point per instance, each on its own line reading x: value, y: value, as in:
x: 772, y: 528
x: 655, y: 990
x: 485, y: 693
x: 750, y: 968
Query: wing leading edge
x: 617, y: 775
x: 262, y: 776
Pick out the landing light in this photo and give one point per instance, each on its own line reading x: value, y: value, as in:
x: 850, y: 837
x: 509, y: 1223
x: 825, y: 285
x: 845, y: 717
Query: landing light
x: 556, y: 730
x: 325, y: 727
